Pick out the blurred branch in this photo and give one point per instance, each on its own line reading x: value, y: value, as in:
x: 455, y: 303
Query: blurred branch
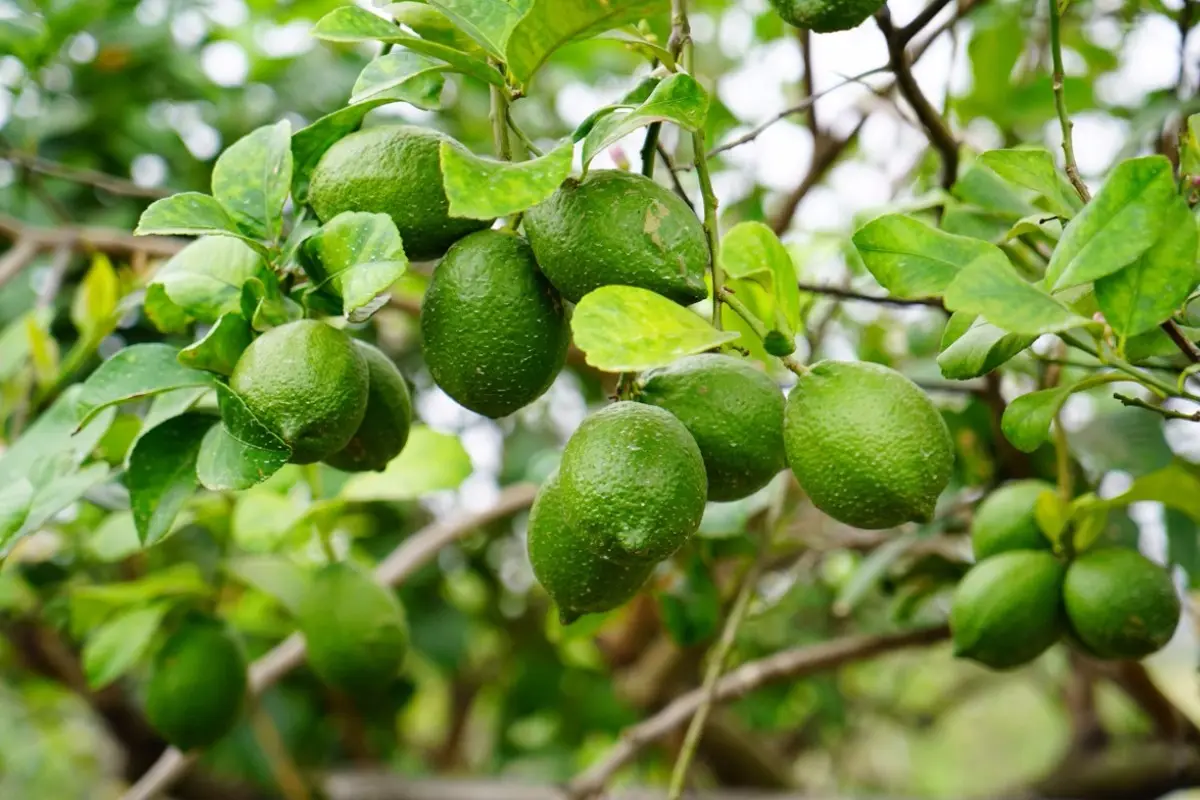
x: 1168, y: 413
x: 905, y: 34
x: 826, y: 152
x: 87, y: 177
x: 366, y: 785
x: 787, y: 665
x: 413, y: 553
x: 847, y: 294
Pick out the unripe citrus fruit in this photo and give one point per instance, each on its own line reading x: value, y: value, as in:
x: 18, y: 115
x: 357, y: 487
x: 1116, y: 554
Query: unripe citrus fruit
x: 1005, y: 520
x: 383, y: 431
x: 495, y: 332
x: 577, y: 580
x: 1120, y: 604
x: 354, y: 628
x: 394, y: 170
x: 308, y: 383
x: 824, y: 16
x: 866, y: 444
x: 733, y: 411
x: 1008, y: 610
x: 197, y: 685
x: 632, y: 483
x: 617, y: 227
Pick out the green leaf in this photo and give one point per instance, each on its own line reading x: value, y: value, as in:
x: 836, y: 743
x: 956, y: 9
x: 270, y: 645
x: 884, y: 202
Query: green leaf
x: 169, y: 405
x: 1052, y: 514
x: 356, y: 255
x: 1189, y: 151
x: 52, y: 434
x: 265, y: 305
x: 162, y: 473
x: 16, y: 499
x: 91, y: 605
x: 678, y: 99
x: 977, y: 350
x: 240, y: 452
x: 991, y: 288
x: 1155, y: 343
x: 1026, y: 420
x: 311, y: 142
x: 114, y: 647
x: 1136, y: 298
x: 488, y: 22
x: 138, y: 371
x: 1117, y: 226
x: 691, y: 608
x: 221, y: 347
x: 626, y: 329
x: 189, y: 214
x: 401, y: 76
x: 431, y: 24
x: 1175, y: 486
x: 252, y: 177
x: 163, y: 312
x: 115, y: 539
x: 275, y: 576
x: 354, y: 24
x: 751, y: 252
x: 430, y: 462
x: 205, y: 278
x: 1034, y: 169
x: 263, y: 518
x: 60, y: 484
x: 912, y: 259
x: 550, y: 24
x: 482, y: 188
x: 95, y: 301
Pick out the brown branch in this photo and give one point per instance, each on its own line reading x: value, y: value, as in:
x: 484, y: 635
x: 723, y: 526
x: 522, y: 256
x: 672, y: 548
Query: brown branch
x: 1185, y: 345
x: 787, y: 665
x: 87, y: 177
x: 86, y: 239
x: 673, y: 171
x: 379, y: 785
x: 905, y: 34
x: 847, y: 294
x: 415, y: 552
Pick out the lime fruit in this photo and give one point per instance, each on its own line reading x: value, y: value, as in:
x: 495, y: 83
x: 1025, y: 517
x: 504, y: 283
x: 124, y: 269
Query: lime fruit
x: 733, y: 411
x: 383, y: 431
x: 394, y: 170
x: 617, y: 227
x: 826, y: 16
x: 1008, y: 610
x: 577, y: 580
x: 866, y: 444
x: 632, y: 483
x: 1120, y: 604
x: 1005, y: 520
x: 197, y: 684
x: 354, y: 628
x: 495, y: 331
x: 307, y: 382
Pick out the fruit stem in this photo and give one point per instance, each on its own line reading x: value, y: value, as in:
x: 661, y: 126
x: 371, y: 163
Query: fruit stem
x: 499, y: 117
x: 723, y: 295
x: 710, y: 224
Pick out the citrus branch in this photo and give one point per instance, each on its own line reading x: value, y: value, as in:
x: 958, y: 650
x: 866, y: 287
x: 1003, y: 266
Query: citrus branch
x: 760, y: 330
x: 1060, y: 104
x: 86, y: 177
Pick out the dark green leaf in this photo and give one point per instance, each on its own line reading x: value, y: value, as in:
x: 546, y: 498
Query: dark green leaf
x: 205, y: 278
x: 401, y: 76
x: 241, y: 451
x: 264, y: 304
x: 356, y: 255
x: 1035, y: 169
x: 221, y: 347
x: 991, y: 288
x: 117, y: 645
x: 251, y: 180
x: 481, y: 188
x: 678, y: 99
x: 135, y: 372
x: 912, y: 259
x: 977, y: 348
x: 162, y: 473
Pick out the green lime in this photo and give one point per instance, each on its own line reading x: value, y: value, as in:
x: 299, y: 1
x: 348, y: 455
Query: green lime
x: 308, y: 383
x: 632, y: 483
x: 495, y: 330
x: 1121, y: 605
x: 618, y: 227
x: 354, y: 628
x: 866, y: 444
x: 197, y: 684
x: 383, y: 431
x: 1005, y: 520
x: 1008, y: 610
x: 826, y: 16
x: 733, y: 411
x: 394, y: 170
x: 577, y: 580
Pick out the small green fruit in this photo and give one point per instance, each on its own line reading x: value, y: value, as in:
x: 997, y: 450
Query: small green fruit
x: 632, y: 483
x: 1120, y: 604
x: 384, y: 429
x: 197, y: 685
x: 733, y: 411
x: 495, y: 330
x: 617, y: 227
x: 867, y: 445
x: 308, y: 383
x: 354, y: 628
x: 826, y: 16
x: 779, y: 344
x: 577, y: 580
x: 394, y: 170
x: 1005, y: 520
x: 1008, y: 610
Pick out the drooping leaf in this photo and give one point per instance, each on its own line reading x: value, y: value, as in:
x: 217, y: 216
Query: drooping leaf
x: 550, y: 24
x: 58, y: 484
x: 265, y: 305
x: 241, y: 451
x: 138, y: 371
x: 1026, y: 421
x: 1189, y: 148
x: 430, y: 462
x: 116, y: 646
x: 252, y: 177
x: 679, y: 99
x: 221, y: 347
x: 95, y: 301
x: 188, y: 214
x: 276, y: 576
x: 1136, y: 298
x: 977, y: 347
x: 752, y: 253
x: 488, y: 22
x: 16, y: 499
x: 1175, y: 486
x: 91, y: 604
x: 1117, y: 226
x: 357, y: 256
x: 1034, y: 168
x: 401, y: 75
x: 482, y: 188
x: 205, y: 278
x: 166, y: 315
x: 431, y: 24
x: 990, y: 287
x: 162, y: 473
x: 626, y: 329
x: 56, y: 432
x: 912, y: 259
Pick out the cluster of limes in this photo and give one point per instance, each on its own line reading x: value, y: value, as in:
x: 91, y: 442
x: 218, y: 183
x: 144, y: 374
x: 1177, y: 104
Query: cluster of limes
x: 1020, y: 598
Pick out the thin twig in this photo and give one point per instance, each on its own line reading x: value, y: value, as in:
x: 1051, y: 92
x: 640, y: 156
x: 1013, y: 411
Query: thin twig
x: 415, y: 552
x: 85, y: 238
x: 674, y: 172
x: 87, y: 177
x: 1060, y: 104
x: 19, y: 256
x: 905, y: 34
x: 1169, y: 413
x: 650, y: 147
x: 847, y: 294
